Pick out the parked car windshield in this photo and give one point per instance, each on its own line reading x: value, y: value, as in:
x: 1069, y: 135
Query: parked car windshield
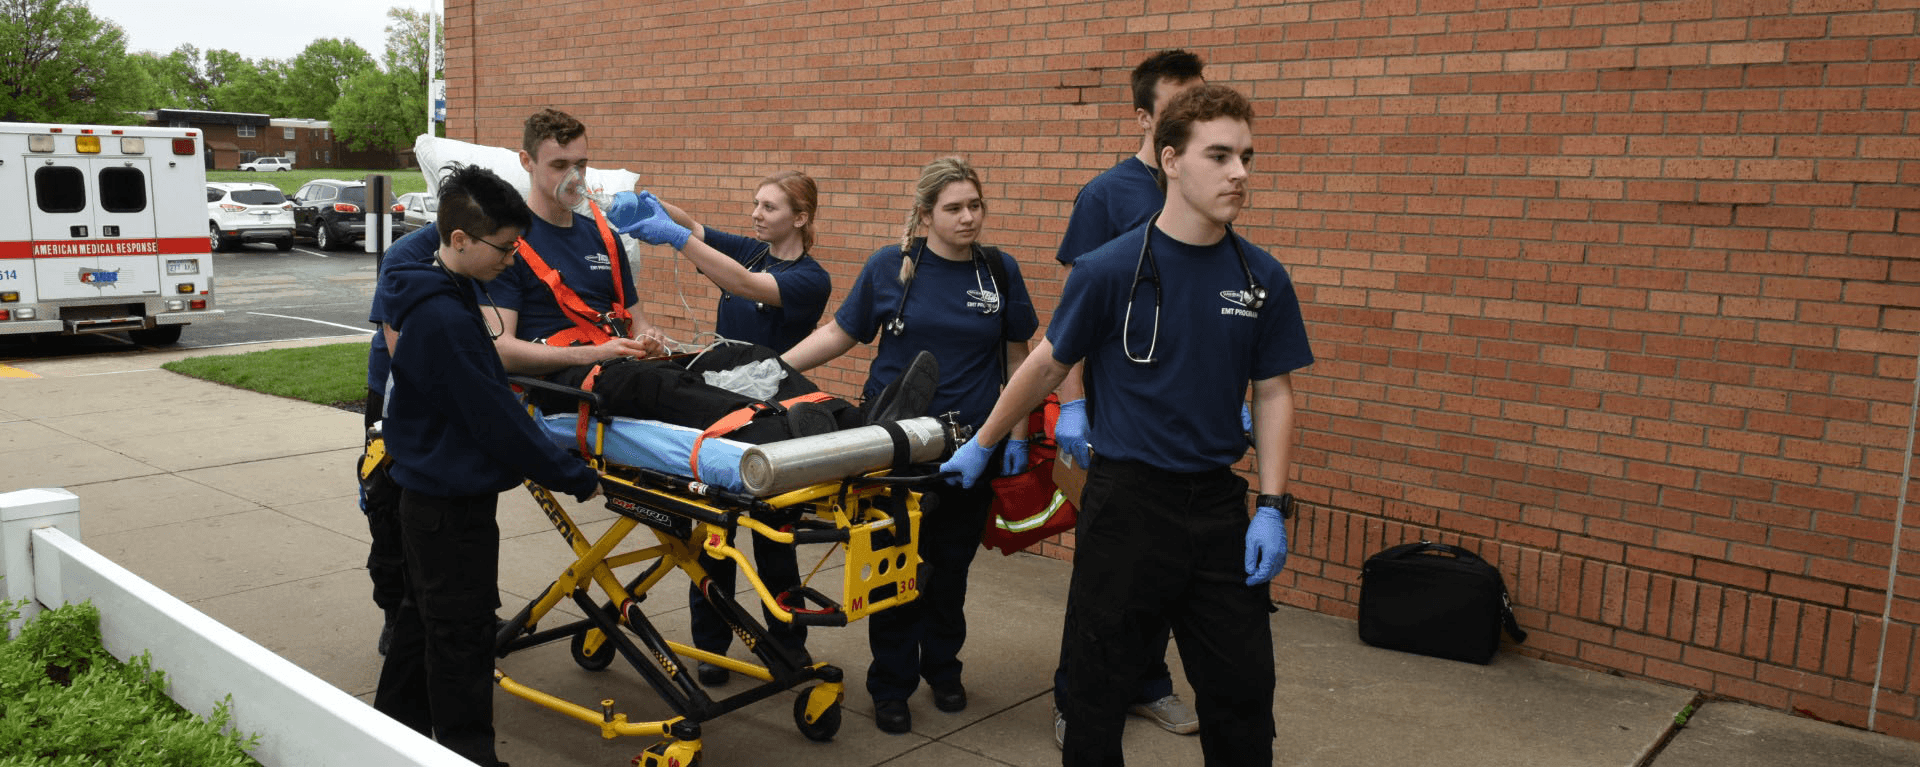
x: 259, y: 196
x: 358, y: 196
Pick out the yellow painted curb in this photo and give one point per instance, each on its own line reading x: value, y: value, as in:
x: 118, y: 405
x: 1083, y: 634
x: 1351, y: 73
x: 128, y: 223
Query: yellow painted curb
x: 7, y: 371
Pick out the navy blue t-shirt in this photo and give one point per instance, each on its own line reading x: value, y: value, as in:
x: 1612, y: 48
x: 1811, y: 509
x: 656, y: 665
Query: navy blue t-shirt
x: 1116, y: 201
x: 578, y: 253
x: 418, y: 246
x: 1181, y: 413
x: 945, y: 315
x: 804, y: 287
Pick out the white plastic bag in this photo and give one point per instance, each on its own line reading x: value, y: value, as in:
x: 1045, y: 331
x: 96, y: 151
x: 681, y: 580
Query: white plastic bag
x: 758, y: 380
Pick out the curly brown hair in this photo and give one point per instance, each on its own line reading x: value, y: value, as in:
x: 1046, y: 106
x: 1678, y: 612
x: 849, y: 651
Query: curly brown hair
x: 550, y: 124
x: 1197, y: 105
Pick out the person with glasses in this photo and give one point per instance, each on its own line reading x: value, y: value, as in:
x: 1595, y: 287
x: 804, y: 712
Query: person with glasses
x: 948, y: 298
x: 772, y: 293
x: 459, y: 437
x: 1173, y: 321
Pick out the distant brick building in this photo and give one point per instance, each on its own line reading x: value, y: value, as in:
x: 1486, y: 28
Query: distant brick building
x: 1623, y: 296
x: 236, y: 137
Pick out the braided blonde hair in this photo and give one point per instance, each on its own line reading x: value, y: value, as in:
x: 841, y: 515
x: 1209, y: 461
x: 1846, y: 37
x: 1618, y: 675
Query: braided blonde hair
x: 934, y: 179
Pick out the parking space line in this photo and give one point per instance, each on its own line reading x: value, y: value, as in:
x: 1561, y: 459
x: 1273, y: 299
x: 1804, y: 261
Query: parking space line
x: 368, y: 331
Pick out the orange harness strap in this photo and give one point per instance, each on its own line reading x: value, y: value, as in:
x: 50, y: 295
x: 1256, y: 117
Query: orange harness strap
x: 580, y: 431
x: 738, y: 418
x: 589, y: 326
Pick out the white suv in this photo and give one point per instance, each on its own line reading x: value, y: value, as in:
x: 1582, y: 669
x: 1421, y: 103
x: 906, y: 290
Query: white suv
x: 242, y: 212
x: 269, y: 163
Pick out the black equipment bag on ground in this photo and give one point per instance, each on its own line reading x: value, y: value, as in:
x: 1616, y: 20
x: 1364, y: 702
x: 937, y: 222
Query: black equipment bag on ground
x: 1435, y: 599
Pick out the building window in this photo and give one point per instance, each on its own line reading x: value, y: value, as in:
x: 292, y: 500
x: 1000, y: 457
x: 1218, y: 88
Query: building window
x: 326, y: 155
x: 323, y: 134
x: 286, y: 133
x: 246, y: 131
x: 247, y: 155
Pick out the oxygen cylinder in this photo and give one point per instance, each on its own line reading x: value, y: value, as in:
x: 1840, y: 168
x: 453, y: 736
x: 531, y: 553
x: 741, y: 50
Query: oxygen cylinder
x: 779, y: 467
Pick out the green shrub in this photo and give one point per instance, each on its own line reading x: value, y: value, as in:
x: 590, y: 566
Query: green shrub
x: 65, y: 701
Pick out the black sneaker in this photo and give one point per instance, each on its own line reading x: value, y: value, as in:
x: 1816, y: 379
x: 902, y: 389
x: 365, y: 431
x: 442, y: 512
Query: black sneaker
x: 806, y: 419
x: 910, y: 394
x: 711, y: 675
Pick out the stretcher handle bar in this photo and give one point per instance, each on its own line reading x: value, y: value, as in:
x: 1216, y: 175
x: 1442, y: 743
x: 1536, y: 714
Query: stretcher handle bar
x: 835, y: 535
x: 679, y: 483
x: 592, y: 398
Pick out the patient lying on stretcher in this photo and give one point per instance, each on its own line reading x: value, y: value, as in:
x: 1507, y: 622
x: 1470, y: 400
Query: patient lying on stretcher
x: 767, y: 399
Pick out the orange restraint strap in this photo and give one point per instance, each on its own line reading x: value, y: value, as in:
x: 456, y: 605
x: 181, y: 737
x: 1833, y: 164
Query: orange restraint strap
x: 738, y: 418
x: 589, y: 326
x: 580, y: 430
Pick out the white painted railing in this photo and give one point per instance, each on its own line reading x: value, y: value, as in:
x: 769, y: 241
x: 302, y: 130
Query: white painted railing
x: 301, y: 719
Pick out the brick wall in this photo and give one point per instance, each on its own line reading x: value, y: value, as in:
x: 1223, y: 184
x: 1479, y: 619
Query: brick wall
x: 1622, y: 295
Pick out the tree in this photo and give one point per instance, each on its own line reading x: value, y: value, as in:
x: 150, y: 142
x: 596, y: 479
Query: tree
x: 379, y: 110
x: 316, y: 77
x: 178, y: 79
x: 59, y: 63
x: 384, y: 110
x: 251, y: 87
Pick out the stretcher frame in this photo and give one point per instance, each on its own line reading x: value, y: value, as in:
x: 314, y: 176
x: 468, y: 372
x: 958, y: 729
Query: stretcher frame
x: 876, y: 518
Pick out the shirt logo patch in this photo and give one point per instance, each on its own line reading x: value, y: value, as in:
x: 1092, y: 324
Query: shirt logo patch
x: 599, y: 262
x: 983, y: 299
x: 1241, y: 299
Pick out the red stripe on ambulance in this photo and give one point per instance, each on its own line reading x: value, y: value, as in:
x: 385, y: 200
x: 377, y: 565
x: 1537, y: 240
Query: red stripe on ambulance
x: 165, y: 246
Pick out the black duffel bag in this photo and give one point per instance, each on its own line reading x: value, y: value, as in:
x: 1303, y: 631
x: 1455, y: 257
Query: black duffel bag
x: 1435, y: 599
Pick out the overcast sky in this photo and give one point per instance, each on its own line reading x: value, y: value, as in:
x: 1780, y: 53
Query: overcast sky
x: 256, y: 29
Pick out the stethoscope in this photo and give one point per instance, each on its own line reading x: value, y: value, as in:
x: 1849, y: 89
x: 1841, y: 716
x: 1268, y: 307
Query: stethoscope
x: 990, y: 301
x: 757, y: 259
x: 1254, y: 289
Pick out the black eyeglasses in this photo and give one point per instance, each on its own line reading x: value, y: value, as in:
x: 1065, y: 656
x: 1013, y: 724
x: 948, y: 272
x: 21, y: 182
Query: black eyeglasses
x: 511, y: 251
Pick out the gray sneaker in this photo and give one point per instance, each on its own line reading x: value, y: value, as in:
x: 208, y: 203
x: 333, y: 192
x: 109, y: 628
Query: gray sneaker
x: 1171, y: 713
x: 1059, y: 730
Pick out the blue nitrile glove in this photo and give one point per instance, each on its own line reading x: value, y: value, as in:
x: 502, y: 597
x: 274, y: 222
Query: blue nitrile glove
x: 1246, y: 421
x: 1070, y: 432
x: 1266, y: 545
x: 1015, y: 460
x: 625, y: 211
x: 655, y: 227
x: 969, y: 462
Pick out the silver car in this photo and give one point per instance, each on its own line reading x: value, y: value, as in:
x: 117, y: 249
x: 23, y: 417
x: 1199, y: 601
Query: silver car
x: 421, y: 209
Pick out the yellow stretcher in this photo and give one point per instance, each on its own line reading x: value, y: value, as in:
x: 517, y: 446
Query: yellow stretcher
x: 875, y: 518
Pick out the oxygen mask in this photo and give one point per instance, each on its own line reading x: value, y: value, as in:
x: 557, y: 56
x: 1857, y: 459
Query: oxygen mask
x: 573, y: 192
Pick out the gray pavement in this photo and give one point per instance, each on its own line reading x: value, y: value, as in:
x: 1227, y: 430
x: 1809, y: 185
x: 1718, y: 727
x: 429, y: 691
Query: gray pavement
x: 244, y: 505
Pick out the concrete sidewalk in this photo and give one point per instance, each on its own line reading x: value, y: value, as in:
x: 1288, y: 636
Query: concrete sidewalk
x: 244, y: 505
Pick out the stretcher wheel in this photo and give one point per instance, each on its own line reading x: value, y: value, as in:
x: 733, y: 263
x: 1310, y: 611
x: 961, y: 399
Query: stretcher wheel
x: 819, y: 731
x: 670, y: 753
x: 600, y: 658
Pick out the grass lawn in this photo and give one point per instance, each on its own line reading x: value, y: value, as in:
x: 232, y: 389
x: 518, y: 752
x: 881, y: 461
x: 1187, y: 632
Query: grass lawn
x: 334, y: 374
x: 404, y: 179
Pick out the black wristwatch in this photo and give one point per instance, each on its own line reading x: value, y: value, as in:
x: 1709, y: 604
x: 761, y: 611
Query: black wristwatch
x: 1283, y: 502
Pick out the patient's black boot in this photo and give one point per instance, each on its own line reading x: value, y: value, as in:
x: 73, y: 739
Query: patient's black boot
x: 910, y: 394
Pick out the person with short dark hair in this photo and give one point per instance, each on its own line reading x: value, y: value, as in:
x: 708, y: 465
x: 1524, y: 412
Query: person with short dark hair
x: 1119, y: 200
x: 1173, y: 320
x: 458, y: 437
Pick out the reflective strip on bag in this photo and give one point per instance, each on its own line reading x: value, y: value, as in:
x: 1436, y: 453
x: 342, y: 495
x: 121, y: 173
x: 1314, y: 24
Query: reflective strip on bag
x: 1035, y: 521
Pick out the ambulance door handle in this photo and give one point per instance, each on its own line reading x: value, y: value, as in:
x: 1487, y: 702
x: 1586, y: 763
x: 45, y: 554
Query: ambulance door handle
x: 78, y: 232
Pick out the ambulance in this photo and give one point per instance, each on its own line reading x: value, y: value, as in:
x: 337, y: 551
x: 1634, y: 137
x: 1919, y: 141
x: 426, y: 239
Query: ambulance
x: 102, y: 229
